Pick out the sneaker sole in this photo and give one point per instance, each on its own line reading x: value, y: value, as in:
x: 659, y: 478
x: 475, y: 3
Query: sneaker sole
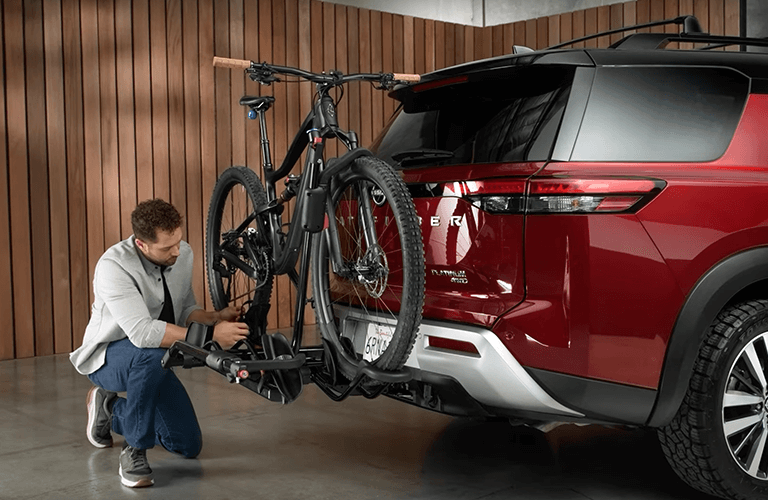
x: 92, y: 412
x: 141, y: 483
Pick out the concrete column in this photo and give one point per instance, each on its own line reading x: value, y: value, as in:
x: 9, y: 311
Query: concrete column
x: 756, y: 17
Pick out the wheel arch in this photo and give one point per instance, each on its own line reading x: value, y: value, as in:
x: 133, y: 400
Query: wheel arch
x: 739, y: 277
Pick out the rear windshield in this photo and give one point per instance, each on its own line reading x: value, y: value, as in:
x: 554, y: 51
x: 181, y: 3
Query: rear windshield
x: 684, y: 114
x: 506, y: 116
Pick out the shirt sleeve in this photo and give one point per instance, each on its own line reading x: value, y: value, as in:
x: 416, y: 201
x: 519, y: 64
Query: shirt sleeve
x: 188, y: 306
x: 122, y: 297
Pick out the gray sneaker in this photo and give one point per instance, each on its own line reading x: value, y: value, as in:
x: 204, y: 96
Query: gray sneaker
x: 134, y: 468
x: 99, y: 403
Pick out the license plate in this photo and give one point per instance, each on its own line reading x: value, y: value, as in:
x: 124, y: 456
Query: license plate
x: 377, y: 340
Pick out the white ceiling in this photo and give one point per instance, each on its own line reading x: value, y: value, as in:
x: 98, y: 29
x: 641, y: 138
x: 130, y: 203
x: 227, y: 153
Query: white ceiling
x: 477, y: 12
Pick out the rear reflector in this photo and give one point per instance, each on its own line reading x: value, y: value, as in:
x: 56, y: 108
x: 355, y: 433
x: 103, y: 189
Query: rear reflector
x: 452, y: 345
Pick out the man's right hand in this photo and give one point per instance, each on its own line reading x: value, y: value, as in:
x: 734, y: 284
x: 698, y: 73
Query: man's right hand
x: 228, y: 333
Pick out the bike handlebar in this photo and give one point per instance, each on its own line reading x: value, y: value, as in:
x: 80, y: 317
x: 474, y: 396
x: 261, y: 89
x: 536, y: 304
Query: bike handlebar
x: 263, y: 72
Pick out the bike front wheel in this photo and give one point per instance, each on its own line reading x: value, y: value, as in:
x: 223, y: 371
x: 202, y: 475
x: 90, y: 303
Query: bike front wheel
x: 369, y: 299
x: 238, y: 253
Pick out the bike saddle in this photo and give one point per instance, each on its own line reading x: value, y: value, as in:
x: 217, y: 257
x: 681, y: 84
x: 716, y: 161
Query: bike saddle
x: 257, y: 102
x: 288, y: 382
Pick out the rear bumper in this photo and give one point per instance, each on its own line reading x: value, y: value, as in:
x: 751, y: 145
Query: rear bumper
x: 493, y: 377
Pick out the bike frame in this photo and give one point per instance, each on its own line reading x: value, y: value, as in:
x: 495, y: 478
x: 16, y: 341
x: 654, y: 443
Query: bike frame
x: 313, y: 197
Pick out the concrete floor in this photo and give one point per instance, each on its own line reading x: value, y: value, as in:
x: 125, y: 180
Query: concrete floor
x: 314, y: 449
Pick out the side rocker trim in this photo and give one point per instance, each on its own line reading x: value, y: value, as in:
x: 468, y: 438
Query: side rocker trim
x: 707, y: 298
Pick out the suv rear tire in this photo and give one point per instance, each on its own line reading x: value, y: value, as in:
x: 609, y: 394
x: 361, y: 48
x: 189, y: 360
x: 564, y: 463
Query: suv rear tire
x: 718, y: 440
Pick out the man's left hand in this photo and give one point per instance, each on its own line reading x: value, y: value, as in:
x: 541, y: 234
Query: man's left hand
x: 231, y: 313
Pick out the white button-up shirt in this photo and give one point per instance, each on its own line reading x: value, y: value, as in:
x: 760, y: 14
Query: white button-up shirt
x: 128, y: 298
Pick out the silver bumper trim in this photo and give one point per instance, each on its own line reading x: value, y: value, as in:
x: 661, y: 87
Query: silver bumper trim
x: 493, y: 378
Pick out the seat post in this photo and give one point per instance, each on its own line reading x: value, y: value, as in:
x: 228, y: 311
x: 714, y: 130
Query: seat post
x: 266, y: 155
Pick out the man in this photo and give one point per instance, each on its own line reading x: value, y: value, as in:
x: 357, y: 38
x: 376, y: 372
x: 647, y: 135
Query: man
x: 142, y: 292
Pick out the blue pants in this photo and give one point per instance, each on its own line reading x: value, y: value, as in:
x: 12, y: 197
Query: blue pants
x: 157, y: 409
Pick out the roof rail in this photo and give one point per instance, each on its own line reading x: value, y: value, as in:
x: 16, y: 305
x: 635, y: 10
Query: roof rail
x: 650, y: 41
x: 690, y: 25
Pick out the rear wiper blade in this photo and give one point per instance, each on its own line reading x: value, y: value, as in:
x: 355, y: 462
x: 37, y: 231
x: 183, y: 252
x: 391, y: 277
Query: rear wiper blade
x: 420, y: 155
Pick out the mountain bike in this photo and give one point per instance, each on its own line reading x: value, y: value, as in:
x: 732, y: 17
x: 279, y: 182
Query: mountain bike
x: 353, y: 224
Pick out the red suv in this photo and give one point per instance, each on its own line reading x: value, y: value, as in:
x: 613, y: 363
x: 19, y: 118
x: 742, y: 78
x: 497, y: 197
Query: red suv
x: 595, y: 223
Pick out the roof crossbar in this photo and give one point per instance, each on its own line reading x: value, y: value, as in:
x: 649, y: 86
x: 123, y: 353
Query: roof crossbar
x: 690, y: 25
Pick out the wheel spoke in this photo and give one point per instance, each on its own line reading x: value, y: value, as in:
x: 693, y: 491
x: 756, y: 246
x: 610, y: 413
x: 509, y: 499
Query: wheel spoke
x: 753, y: 363
x: 738, y: 398
x: 739, y: 424
x: 756, y: 453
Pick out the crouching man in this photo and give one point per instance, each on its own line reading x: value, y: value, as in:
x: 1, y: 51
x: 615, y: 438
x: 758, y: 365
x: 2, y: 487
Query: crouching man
x: 142, y: 291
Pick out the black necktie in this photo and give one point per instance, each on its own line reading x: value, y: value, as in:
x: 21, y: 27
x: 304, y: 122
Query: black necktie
x: 167, y: 313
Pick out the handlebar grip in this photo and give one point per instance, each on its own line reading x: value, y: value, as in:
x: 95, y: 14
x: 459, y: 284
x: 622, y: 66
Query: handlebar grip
x: 406, y: 77
x: 223, y: 62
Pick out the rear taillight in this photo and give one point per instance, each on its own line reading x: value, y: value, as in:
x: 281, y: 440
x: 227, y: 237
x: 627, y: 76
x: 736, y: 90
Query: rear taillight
x: 557, y: 195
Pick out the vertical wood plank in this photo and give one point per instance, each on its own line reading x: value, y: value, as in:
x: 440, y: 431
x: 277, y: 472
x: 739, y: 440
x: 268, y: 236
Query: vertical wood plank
x: 237, y: 82
x: 408, y: 45
x: 732, y: 16
x: 531, y: 40
x: 329, y: 56
x: 469, y: 43
x: 630, y: 15
x: 657, y: 14
x: 449, y: 54
x: 553, y: 30
x: 509, y: 38
x: 459, y: 45
x: 38, y: 175
x: 671, y: 10
x: 189, y: 67
x: 387, y: 57
x: 6, y: 282
x: 617, y: 21
x: 92, y: 132
x: 126, y: 113
x: 590, y: 26
x: 18, y: 179
x: 222, y: 79
x: 353, y: 66
x: 519, y: 32
x: 497, y: 37
x: 701, y: 11
x: 717, y: 17
x: 159, y: 79
x: 109, y: 134
x: 398, y: 43
x: 579, y: 27
x: 57, y: 154
x: 208, y: 115
x: 643, y: 9
x: 377, y: 99
x: 142, y: 101
x: 566, y: 27
x: 177, y: 170
x: 76, y: 193
x: 419, y: 46
x: 485, y: 40
x: 603, y: 24
x: 366, y: 91
x: 542, y: 32
x: 429, y: 47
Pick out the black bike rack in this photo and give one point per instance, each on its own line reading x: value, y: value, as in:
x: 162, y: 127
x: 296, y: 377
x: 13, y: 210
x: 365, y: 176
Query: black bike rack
x: 276, y: 379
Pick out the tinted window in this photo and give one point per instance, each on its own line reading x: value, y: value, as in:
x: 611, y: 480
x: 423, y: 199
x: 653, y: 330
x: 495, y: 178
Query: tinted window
x: 509, y: 117
x: 660, y: 114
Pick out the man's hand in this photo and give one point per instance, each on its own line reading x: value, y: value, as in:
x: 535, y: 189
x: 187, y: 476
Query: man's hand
x: 230, y: 313
x: 228, y: 333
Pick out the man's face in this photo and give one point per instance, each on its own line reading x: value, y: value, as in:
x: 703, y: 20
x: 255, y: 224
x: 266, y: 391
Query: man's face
x: 165, y: 250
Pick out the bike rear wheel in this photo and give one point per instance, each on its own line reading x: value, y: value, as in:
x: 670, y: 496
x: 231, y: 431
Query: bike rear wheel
x: 237, y: 192
x: 370, y: 307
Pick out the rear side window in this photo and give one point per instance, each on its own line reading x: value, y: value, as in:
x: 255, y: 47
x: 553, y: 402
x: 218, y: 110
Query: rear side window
x: 507, y: 117
x: 660, y: 114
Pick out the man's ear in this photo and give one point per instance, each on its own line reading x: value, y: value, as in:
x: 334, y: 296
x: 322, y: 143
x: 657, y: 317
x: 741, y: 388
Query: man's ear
x: 140, y: 244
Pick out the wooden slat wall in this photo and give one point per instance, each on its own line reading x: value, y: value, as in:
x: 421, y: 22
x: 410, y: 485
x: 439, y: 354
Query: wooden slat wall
x: 108, y: 102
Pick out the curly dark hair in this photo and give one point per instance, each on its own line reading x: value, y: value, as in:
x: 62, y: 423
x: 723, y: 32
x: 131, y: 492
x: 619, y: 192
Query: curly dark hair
x: 151, y: 215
